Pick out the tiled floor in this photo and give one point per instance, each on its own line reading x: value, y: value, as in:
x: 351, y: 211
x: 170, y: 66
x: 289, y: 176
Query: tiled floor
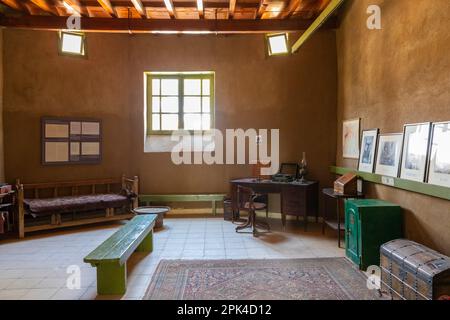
x: 36, y: 268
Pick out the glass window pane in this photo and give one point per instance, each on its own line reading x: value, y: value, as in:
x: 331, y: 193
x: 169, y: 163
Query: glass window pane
x: 206, y: 122
x: 169, y: 104
x: 278, y: 44
x: 72, y: 43
x: 169, y: 121
x: 169, y: 87
x: 205, y: 88
x: 155, y: 87
x: 192, y: 121
x: 155, y: 122
x: 192, y: 104
x: 155, y: 104
x: 205, y: 104
x: 192, y: 87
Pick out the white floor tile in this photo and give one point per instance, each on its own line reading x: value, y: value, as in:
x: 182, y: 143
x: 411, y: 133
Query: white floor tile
x: 36, y: 268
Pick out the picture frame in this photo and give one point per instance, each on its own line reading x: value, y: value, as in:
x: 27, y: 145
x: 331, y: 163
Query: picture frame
x: 439, y: 155
x: 369, y: 142
x: 389, y: 152
x: 70, y: 141
x: 416, y: 140
x: 350, y: 138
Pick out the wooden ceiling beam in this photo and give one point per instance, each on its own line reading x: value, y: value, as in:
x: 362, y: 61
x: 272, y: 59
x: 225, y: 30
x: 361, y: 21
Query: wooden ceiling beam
x: 77, y: 7
x: 261, y: 8
x: 200, y: 8
x: 46, y: 6
x: 168, y: 25
x: 106, y: 5
x: 309, y: 8
x: 322, y: 19
x: 170, y: 8
x: 13, y: 4
x: 181, y: 4
x: 231, y: 9
x: 290, y: 9
x: 139, y: 8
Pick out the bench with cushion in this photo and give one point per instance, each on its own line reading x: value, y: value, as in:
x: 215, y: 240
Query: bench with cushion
x: 43, y: 206
x: 110, y: 258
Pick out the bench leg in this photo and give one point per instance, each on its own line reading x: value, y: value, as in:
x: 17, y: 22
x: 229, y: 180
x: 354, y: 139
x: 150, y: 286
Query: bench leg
x: 111, y: 279
x: 214, y: 209
x: 146, y: 244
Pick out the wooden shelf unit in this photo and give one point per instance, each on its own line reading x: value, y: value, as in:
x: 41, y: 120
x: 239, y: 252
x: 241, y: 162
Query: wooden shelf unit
x: 7, y: 201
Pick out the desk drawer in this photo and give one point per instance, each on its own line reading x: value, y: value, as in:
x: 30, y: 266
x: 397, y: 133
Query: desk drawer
x: 293, y: 201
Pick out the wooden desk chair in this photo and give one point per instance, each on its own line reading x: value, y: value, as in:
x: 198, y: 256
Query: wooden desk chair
x: 246, y: 202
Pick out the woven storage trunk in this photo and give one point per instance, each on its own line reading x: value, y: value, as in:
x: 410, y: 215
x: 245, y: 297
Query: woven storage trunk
x: 411, y: 271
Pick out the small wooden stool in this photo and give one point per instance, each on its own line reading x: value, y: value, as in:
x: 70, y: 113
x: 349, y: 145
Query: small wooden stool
x: 158, y: 210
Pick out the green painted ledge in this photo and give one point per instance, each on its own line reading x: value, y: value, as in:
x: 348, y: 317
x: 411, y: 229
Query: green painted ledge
x: 181, y: 197
x: 413, y: 186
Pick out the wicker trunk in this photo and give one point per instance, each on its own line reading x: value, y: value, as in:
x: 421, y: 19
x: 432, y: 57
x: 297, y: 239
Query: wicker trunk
x: 411, y: 271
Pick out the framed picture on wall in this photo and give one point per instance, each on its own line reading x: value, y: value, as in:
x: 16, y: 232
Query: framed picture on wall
x: 368, y: 149
x: 439, y: 160
x: 416, y: 138
x: 70, y: 140
x: 350, y: 138
x: 388, y: 154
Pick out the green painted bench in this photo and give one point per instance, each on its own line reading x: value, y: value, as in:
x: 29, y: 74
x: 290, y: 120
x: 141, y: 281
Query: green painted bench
x: 214, y: 197
x: 110, y: 258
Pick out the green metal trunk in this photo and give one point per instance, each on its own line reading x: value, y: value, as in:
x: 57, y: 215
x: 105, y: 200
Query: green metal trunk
x: 368, y: 224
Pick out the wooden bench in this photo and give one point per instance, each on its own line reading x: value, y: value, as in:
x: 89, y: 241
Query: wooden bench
x: 110, y: 258
x: 49, y: 192
x: 147, y: 199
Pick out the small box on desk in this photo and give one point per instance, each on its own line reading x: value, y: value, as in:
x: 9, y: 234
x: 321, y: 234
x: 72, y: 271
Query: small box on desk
x: 346, y: 184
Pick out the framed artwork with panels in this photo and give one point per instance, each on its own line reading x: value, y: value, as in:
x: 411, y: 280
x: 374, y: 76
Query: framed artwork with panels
x: 439, y: 158
x: 70, y: 141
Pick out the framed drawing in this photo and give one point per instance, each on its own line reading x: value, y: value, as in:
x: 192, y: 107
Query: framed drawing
x: 350, y: 138
x: 69, y: 141
x: 439, y: 160
x: 416, y: 138
x: 368, y: 149
x: 388, y: 154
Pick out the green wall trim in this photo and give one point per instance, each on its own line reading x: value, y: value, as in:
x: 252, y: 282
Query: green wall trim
x: 181, y: 197
x: 321, y: 19
x: 413, y: 186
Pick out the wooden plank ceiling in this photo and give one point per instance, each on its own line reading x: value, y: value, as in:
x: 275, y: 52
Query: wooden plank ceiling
x: 287, y: 14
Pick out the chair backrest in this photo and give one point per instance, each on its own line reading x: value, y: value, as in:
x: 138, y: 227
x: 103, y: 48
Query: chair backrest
x: 245, y: 195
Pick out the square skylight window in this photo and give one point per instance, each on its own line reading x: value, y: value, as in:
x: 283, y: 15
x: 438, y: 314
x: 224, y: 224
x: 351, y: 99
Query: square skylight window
x: 72, y: 43
x: 278, y: 44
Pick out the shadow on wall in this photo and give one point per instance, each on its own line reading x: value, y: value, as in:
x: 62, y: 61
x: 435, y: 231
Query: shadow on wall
x: 410, y: 220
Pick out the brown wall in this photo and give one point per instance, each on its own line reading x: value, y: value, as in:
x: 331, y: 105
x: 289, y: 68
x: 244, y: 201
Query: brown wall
x: 2, y: 167
x: 295, y: 93
x: 393, y: 76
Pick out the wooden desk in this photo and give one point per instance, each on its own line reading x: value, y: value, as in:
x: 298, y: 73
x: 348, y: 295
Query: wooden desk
x: 297, y: 199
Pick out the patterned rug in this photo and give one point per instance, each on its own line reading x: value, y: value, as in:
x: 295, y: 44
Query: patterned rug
x: 284, y: 279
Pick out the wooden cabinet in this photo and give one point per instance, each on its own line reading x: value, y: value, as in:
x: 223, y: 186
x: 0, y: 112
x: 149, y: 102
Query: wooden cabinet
x: 368, y: 224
